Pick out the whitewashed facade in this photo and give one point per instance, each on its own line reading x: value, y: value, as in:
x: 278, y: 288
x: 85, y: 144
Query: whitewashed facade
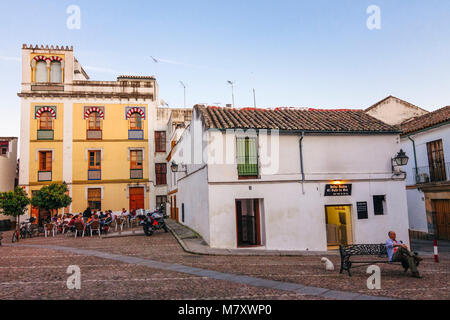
x: 8, y: 166
x: 294, y: 170
x: 425, y: 182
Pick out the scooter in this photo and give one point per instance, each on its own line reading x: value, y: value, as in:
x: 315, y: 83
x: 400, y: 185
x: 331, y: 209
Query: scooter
x: 152, y: 222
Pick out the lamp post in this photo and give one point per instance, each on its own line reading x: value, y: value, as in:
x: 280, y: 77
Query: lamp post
x: 184, y: 89
x: 232, y: 91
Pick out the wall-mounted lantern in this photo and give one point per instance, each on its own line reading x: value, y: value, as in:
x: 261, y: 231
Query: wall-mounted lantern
x: 174, y: 167
x: 400, y: 160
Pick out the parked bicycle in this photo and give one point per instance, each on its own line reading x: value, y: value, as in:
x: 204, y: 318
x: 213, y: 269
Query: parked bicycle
x: 16, y: 235
x: 27, y: 229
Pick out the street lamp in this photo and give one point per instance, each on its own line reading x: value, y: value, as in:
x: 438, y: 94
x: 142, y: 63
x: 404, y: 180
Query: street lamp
x: 174, y: 167
x: 232, y: 90
x: 184, y: 87
x: 401, y: 159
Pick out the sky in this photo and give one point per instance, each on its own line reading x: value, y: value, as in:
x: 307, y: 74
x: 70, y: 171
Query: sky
x: 298, y: 53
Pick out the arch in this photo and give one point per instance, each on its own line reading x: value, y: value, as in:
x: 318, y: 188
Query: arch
x: 94, y: 109
x: 45, y: 109
x: 136, y: 110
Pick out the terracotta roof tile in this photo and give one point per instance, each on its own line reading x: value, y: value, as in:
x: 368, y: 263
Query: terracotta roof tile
x: 427, y: 120
x: 293, y: 119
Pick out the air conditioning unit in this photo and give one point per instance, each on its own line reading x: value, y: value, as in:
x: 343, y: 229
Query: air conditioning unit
x: 423, y: 178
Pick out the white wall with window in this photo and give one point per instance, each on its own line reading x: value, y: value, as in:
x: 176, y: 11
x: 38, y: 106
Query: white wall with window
x: 292, y: 210
x: 420, y: 160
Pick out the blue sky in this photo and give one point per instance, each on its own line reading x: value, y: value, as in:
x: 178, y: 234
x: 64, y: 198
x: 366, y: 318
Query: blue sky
x: 294, y: 53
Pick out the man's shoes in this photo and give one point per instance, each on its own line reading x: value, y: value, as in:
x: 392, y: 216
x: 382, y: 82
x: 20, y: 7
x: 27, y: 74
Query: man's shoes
x: 416, y: 275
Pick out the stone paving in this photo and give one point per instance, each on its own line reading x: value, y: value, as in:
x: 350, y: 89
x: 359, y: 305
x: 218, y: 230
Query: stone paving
x: 40, y: 273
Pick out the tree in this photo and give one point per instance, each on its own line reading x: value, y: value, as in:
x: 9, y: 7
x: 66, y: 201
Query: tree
x: 14, y: 203
x: 52, y: 197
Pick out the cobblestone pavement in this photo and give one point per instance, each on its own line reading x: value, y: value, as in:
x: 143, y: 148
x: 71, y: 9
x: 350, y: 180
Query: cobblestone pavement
x: 35, y: 273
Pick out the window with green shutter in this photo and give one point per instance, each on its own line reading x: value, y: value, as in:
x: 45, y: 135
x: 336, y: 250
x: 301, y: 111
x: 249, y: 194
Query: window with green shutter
x: 247, y: 157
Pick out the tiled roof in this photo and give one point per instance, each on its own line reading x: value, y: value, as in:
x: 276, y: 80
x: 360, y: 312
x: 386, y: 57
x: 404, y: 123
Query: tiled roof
x: 293, y: 119
x: 427, y: 120
x: 121, y: 77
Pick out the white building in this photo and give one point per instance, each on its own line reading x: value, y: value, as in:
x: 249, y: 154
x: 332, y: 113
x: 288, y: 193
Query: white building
x: 8, y: 166
x: 426, y: 140
x: 394, y: 111
x: 320, y: 178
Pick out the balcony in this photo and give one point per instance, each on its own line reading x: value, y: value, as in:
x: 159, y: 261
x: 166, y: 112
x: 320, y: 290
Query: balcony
x: 135, y: 134
x: 94, y: 134
x: 45, y: 134
x: 431, y: 174
x: 136, y: 174
x: 94, y: 174
x: 44, y: 176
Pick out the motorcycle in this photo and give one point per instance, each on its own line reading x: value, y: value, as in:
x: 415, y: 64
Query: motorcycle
x: 153, y: 221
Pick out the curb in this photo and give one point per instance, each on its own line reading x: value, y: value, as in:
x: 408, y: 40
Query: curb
x: 182, y: 243
x: 186, y: 249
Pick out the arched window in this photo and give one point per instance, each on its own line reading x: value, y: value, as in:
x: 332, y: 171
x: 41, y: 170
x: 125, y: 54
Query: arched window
x: 55, y: 72
x: 94, y: 121
x: 46, y: 121
x: 41, y: 71
x: 136, y: 121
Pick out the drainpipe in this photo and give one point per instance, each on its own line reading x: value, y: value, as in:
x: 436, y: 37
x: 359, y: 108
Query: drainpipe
x: 301, y: 160
x: 415, y: 157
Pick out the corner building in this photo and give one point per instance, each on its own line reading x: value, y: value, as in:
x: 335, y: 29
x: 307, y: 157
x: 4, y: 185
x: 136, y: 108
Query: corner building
x: 102, y: 138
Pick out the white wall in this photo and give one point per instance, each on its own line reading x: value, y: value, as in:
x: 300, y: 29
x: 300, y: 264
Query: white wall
x: 416, y: 210
x: 8, y: 167
x: 296, y: 221
x: 324, y: 157
x: 416, y: 203
x: 421, y: 140
x: 195, y: 196
x: 393, y: 111
x: 293, y: 214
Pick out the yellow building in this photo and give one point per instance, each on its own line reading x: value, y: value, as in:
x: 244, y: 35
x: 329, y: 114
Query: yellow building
x: 105, y: 139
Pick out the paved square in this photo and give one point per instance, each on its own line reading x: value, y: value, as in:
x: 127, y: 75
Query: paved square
x: 40, y: 273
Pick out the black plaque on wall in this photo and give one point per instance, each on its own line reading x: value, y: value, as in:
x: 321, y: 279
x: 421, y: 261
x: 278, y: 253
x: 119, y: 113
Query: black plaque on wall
x: 335, y: 190
x: 361, y: 208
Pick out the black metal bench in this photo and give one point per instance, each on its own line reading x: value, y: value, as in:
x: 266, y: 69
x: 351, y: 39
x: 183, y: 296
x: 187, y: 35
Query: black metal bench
x: 378, y: 250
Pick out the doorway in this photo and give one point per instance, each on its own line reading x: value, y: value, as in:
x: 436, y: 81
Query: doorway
x: 136, y: 198
x: 441, y: 209
x: 248, y: 223
x: 339, y: 226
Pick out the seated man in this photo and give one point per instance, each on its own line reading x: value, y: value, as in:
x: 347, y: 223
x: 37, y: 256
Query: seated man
x: 398, y: 252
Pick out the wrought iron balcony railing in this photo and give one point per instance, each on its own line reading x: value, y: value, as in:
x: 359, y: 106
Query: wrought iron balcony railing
x: 94, y: 174
x: 439, y: 172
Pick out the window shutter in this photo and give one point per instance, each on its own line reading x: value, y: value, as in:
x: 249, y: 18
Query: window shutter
x: 247, y: 156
